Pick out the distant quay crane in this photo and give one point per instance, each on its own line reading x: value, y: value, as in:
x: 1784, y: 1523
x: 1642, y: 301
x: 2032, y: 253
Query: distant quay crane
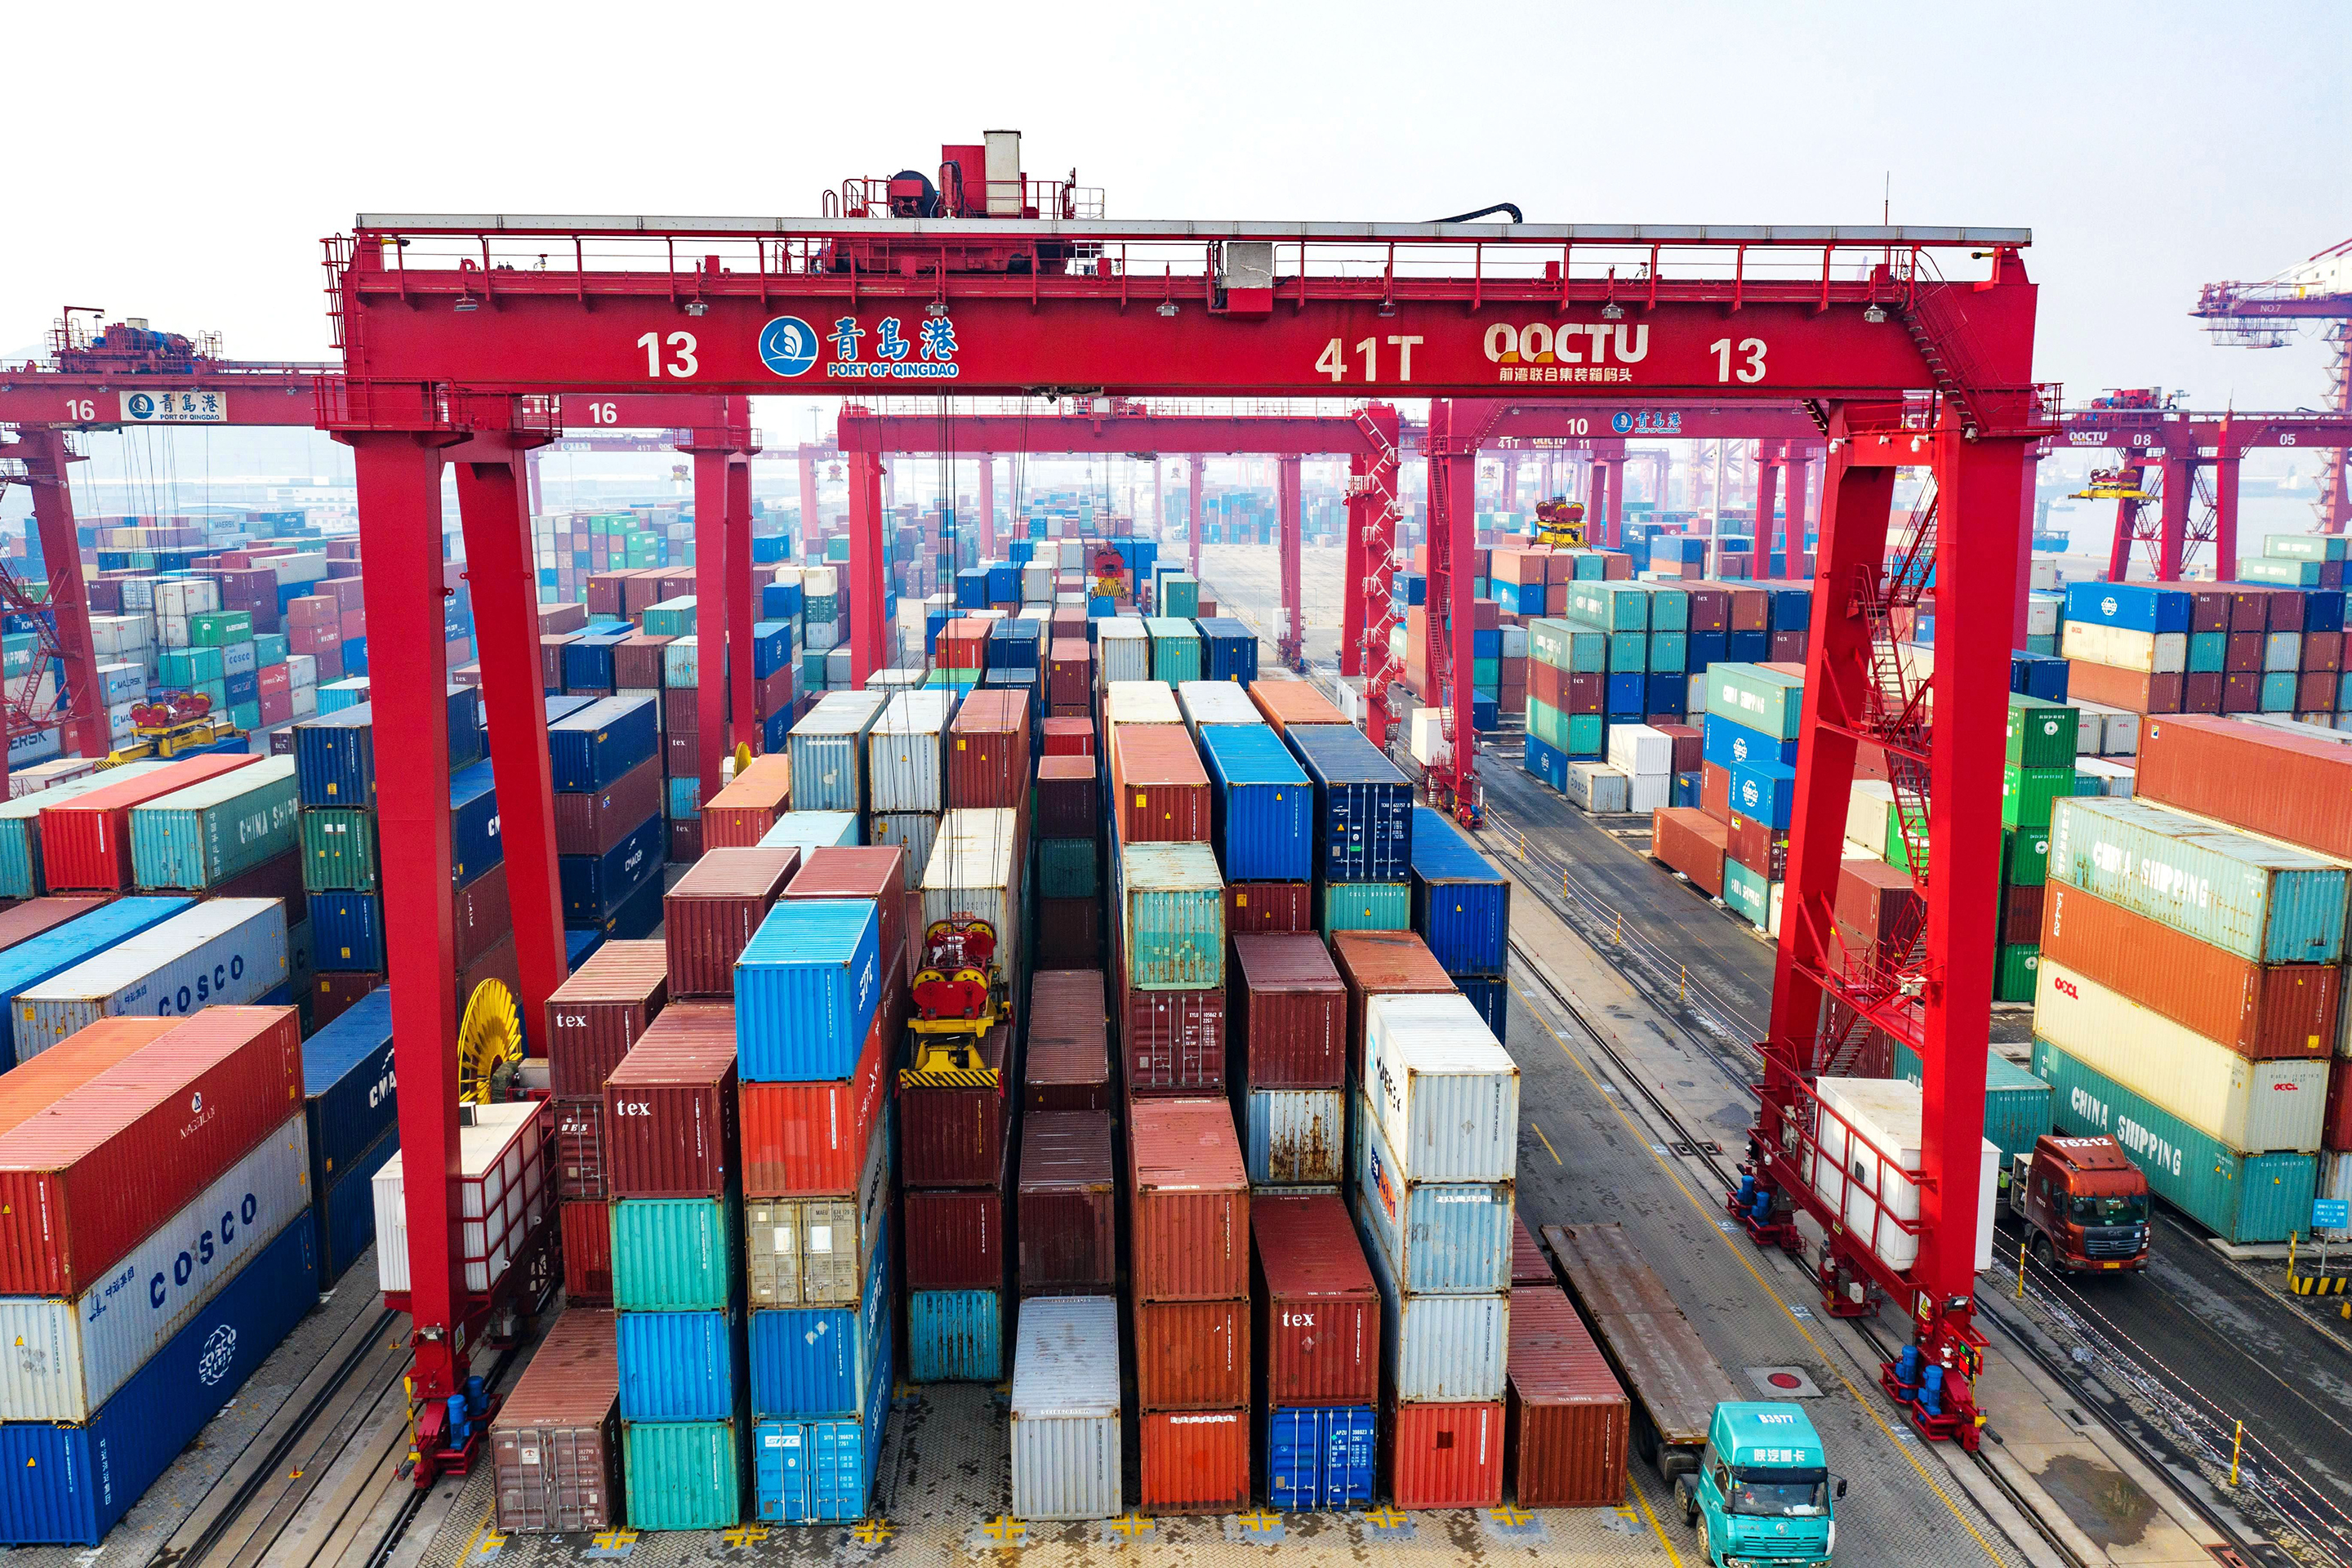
x: 2270, y: 314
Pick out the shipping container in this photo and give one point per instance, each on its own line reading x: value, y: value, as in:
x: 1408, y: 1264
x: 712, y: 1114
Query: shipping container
x: 1194, y: 1461
x: 1174, y: 1041
x: 1171, y: 917
x: 974, y: 872
x: 1461, y: 904
x: 1159, y: 787
x: 595, y: 887
x: 1069, y: 804
x: 1294, y: 1137
x: 2245, y: 1199
x: 816, y: 1250
x: 504, y: 1193
x: 349, y: 1092
x: 1285, y: 702
x: 1450, y: 1238
x: 676, y: 1255
x: 827, y: 748
x: 809, y: 1138
x: 739, y: 815
x: 1446, y: 1455
x: 1261, y: 809
x: 809, y: 1472
x: 958, y: 1120
x: 1067, y: 1410
x: 955, y: 1336
x: 579, y: 1170
x: 683, y: 1475
x: 587, y: 1237
x: 956, y: 1238
x: 807, y: 988
x: 1383, y: 964
x: 1193, y: 1356
x: 555, y: 1442
x: 2259, y: 899
x: 1289, y: 1022
x: 988, y: 751
x: 224, y: 952
x: 1208, y: 703
x: 85, y: 838
x: 1446, y: 1092
x: 1325, y: 1459
x: 36, y: 960
x: 591, y: 822
x: 1529, y: 1266
x: 709, y: 915
x: 1363, y: 807
x: 905, y: 752
x: 24, y: 922
x: 215, y: 830
x: 20, y: 825
x: 671, y: 1105
x: 1269, y: 907
x: 1566, y: 1423
x: 1067, y: 1210
x: 2263, y: 778
x: 1319, y: 1314
x: 594, y: 747
x: 823, y: 1361
x: 883, y: 873
x: 598, y: 1013
x: 1189, y: 1202
x: 678, y: 1366
x: 1437, y: 1349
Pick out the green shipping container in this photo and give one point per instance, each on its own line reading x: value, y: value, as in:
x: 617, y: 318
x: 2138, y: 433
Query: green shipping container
x: 339, y: 852
x: 2280, y: 571
x: 268, y: 649
x: 2242, y: 1198
x: 1485, y: 673
x: 244, y: 715
x: 1619, y: 607
x: 2013, y: 972
x: 2024, y: 856
x: 218, y: 629
x: 1763, y: 699
x: 2017, y: 1103
x: 2305, y: 546
x: 189, y: 667
x: 1565, y: 646
x: 2040, y: 734
x: 1549, y: 724
x: 1180, y: 596
x: 1588, y: 735
x: 1669, y: 609
x: 1366, y: 906
x: 1747, y: 892
x: 671, y: 618
x: 211, y: 832
x: 1068, y: 868
x: 676, y: 1255
x: 1629, y: 652
x: 683, y: 1475
x: 2028, y: 794
x: 2208, y: 652
x: 2278, y: 692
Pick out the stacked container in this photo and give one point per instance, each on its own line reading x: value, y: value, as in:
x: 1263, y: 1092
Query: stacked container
x: 351, y: 1110
x: 1735, y: 836
x: 1317, y: 1330
x: 1363, y: 830
x: 1288, y: 1013
x: 594, y: 1019
x: 905, y: 770
x: 1261, y: 822
x: 596, y: 752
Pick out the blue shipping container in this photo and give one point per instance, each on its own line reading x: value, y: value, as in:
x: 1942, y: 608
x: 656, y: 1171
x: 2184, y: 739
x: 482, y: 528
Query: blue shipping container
x: 1322, y: 1459
x: 334, y: 754
x: 1701, y: 649
x: 345, y: 1216
x: 1748, y: 648
x: 771, y: 646
x: 1665, y: 694
x: 807, y: 987
x: 1461, y: 904
x: 1628, y: 696
x: 1228, y: 650
x: 809, y: 1362
x: 349, y: 1098
x: 1766, y: 791
x: 635, y: 920
x: 1262, y: 806
x: 780, y: 601
x: 1491, y: 994
x: 2140, y: 606
x: 678, y: 1366
x: 595, y: 746
x: 473, y: 843
x: 1548, y: 762
x: 595, y: 886
x: 65, y: 1485
x: 588, y: 657
x: 1440, y: 1238
x: 1363, y: 807
x: 347, y: 932
x: 1003, y: 582
x: 1727, y: 743
x: 971, y: 588
x: 955, y: 1336
x: 810, y: 1472
x: 52, y: 953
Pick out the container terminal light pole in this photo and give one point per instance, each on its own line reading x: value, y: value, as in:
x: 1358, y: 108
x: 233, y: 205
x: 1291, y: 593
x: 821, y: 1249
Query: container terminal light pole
x: 1898, y: 363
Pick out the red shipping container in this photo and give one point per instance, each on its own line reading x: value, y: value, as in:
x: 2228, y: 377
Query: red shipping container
x: 596, y: 1016
x: 1531, y: 1265
x: 1069, y: 799
x: 2021, y: 915
x: 2336, y: 1128
x: 1069, y: 737
x: 1285, y: 702
x: 332, y: 994
x: 1290, y: 1013
x: 1687, y: 742
x: 587, y: 1255
x: 1874, y: 899
x: 988, y: 750
x: 1789, y: 648
x: 685, y: 840
x: 869, y: 872
x: 1069, y: 672
x: 84, y: 1183
x: 955, y: 1236
x: 2126, y: 689
x: 2199, y: 692
x: 30, y: 1088
x: 1566, y: 1420
x: 2315, y: 691
x: 1175, y: 1041
x: 551, y: 656
x: 1445, y: 1456
x: 740, y: 814
x: 591, y: 822
x: 605, y: 594
x: 811, y: 1138
x: 1188, y: 1202
x: 1383, y: 964
x: 1759, y: 846
x: 1068, y: 1064
x: 272, y: 678
x: 1195, y: 1461
x: 1069, y: 933
x: 353, y: 624
x: 669, y: 1107
x: 2266, y: 779
x: 1319, y: 1312
x: 1686, y: 839
x: 1192, y: 1356
x: 954, y: 1125
x: 579, y: 1151
x: 86, y: 841
x: 681, y: 711
x: 709, y: 915
x: 2243, y: 654
x: 772, y: 693
x: 1268, y: 907
x: 1159, y: 788
x: 638, y: 663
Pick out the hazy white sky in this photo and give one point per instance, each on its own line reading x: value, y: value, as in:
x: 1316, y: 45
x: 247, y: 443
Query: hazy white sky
x: 182, y: 162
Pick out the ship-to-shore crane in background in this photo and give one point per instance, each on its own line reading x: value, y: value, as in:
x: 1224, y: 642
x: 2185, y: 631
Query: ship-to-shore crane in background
x: 2271, y: 314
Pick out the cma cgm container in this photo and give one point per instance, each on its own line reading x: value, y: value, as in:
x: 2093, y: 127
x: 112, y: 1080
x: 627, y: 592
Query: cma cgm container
x: 555, y: 1443
x: 70, y: 1484
x: 597, y: 1014
x: 222, y: 952
x: 1189, y: 1201
x: 669, y: 1108
x: 1445, y: 1092
x: 1363, y: 807
x: 1449, y: 1238
x: 807, y: 987
x: 20, y: 825
x: 1173, y: 917
x: 1261, y: 807
x: 29, y: 962
x: 86, y: 839
x: 827, y: 748
x: 2257, y: 898
x: 82, y: 1185
x: 350, y: 1096
x: 1318, y: 1313
x: 1461, y: 904
x: 1067, y: 1410
x: 2245, y: 1199
x: 709, y: 915
x: 213, y: 831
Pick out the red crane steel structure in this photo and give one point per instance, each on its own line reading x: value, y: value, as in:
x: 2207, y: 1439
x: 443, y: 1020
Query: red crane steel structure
x: 2269, y: 314
x: 455, y: 330
x: 2190, y: 450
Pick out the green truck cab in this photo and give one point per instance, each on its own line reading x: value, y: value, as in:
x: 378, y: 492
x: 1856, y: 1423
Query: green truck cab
x: 1763, y: 1496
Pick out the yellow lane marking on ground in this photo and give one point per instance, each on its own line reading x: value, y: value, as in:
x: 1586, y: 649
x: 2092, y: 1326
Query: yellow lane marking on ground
x: 1642, y: 1503
x: 1869, y: 1407
x: 1547, y: 1143
x: 474, y: 1542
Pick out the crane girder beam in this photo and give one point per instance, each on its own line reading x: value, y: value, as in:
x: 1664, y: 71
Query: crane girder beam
x: 75, y: 400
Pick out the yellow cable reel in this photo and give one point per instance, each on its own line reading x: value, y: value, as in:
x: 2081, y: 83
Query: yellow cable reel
x: 489, y: 1043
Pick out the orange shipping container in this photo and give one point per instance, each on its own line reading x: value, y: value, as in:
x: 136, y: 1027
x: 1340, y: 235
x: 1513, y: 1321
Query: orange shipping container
x: 1289, y: 702
x: 1159, y: 790
x: 1690, y: 841
x: 1189, y: 1202
x: 1197, y: 1461
x: 1445, y: 1456
x: 739, y: 816
x: 2265, y: 779
x: 1193, y: 1356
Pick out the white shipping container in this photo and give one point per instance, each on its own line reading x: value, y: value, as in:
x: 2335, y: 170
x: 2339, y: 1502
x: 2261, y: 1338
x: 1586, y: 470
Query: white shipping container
x: 974, y: 869
x: 502, y: 1157
x: 1637, y: 750
x: 2253, y: 1107
x: 237, y: 658
x: 1216, y: 702
x: 121, y: 683
x: 1142, y: 703
x: 1071, y: 554
x: 302, y: 669
x: 1514, y: 642
x: 41, y: 776
x: 1445, y: 1091
x: 2115, y: 778
x: 1425, y: 734
x: 822, y: 582
x: 1871, y: 1174
x: 2282, y: 651
x: 2042, y: 613
x: 1123, y: 653
x: 311, y: 566
x: 306, y: 702
x: 907, y: 752
x: 139, y: 594
x: 827, y: 748
x: 1650, y: 792
x: 2121, y: 647
x: 1066, y: 1409
x: 184, y: 596
x: 65, y: 1358
x: 1867, y: 815
x: 1597, y: 787
x: 1037, y: 583
x: 821, y: 637
x: 119, y: 635
x: 223, y: 951
x: 172, y: 631
x: 914, y: 831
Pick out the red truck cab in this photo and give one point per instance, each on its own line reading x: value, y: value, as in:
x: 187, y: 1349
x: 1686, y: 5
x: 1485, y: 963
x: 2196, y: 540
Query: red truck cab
x: 2085, y: 1204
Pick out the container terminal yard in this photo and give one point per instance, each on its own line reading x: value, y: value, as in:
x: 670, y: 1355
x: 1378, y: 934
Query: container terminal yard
x: 1525, y: 890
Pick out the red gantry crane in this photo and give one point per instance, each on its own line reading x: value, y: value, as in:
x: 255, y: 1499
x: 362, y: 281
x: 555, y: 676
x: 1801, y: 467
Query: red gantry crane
x: 455, y: 328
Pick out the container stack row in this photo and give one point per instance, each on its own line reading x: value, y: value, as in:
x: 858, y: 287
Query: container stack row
x: 1732, y: 841
x: 2246, y: 648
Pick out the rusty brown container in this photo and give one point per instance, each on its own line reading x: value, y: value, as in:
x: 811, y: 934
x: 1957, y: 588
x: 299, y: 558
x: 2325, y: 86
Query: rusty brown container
x: 638, y: 663
x: 587, y: 1254
x: 1318, y: 1310
x: 669, y: 1107
x: 604, y: 594
x: 988, y: 750
x: 1289, y: 702
x: 685, y: 835
x: 2200, y: 691
x: 954, y: 1122
x: 1069, y: 673
x: 579, y: 1151
x: 2258, y: 777
x: 1269, y: 907
x: 1070, y: 932
x: 1066, y: 1206
x: 2021, y: 916
x: 591, y: 822
x: 1068, y: 1064
x: 2262, y: 1012
x: 1159, y: 788
x: 955, y: 1236
x: 555, y: 1444
x: 803, y: 1139
x: 1529, y: 1266
x: 1566, y: 1420
x: 34, y: 916
x: 1069, y: 798
x: 551, y: 658
x: 681, y: 714
x: 1686, y: 839
x: 1173, y: 1041
x: 2242, y: 654
x: 1193, y: 1356
x: 739, y: 816
x: 1290, y: 1013
x: 709, y: 914
x: 1188, y: 1202
x: 332, y: 994
x: 2124, y: 688
x: 854, y: 871
x: 1383, y: 964
x: 1068, y: 735
x: 1874, y: 899
x: 599, y: 1012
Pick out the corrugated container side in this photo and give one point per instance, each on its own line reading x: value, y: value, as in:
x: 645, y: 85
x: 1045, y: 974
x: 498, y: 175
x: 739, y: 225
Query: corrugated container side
x: 1451, y: 1239
x: 1383, y: 964
x: 1189, y: 1206
x: 955, y: 1238
x: 1292, y: 1029
x: 676, y: 1255
x: 709, y: 915
x: 955, y: 1125
x: 1173, y: 917
x: 587, y: 1254
x: 1446, y: 1092
x: 1159, y: 788
x: 679, y: 1366
x: 20, y: 825
x: 1461, y: 904
x: 1363, y: 805
x: 86, y: 839
x: 349, y: 1089
x: 1194, y: 1461
x: 805, y: 1473
x: 669, y: 1108
x: 1566, y: 1422
x: 1294, y: 1137
x: 1439, y: 1349
x: 811, y: 1361
x: 224, y: 952
x: 816, y: 1251
x: 1067, y: 1410
x: 1193, y: 1356
x: 809, y: 1138
x: 1446, y: 1455
x: 1174, y: 1041
x: 1262, y: 806
x: 683, y: 1475
x: 2263, y: 778
x: 555, y: 1443
x: 212, y: 831
x: 2258, y: 899
x: 1318, y: 1310
x: 955, y: 1336
x: 1323, y: 1459
x: 1068, y: 1232
x: 807, y: 987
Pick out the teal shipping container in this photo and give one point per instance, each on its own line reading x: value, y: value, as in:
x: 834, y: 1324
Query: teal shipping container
x: 1613, y: 606
x: 216, y: 830
x: 1175, y: 649
x: 955, y: 1336
x: 683, y: 1475
x: 1173, y: 917
x: 1364, y: 906
x: 1747, y: 892
x: 1068, y: 868
x: 2017, y: 1103
x: 676, y: 1255
x: 2242, y: 1198
x: 1669, y: 609
x: 2252, y: 896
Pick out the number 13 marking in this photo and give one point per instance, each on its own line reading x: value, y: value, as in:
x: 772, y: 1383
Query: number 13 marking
x: 1751, y: 367
x: 682, y: 361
